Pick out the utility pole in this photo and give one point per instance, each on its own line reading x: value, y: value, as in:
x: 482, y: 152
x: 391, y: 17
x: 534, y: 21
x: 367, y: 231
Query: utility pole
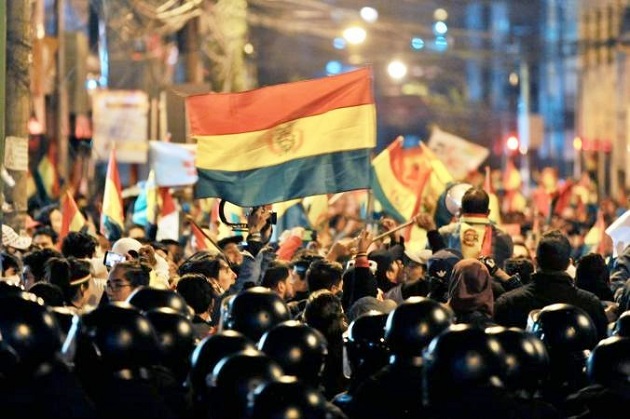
x: 3, y: 73
x: 19, y: 48
x: 62, y: 94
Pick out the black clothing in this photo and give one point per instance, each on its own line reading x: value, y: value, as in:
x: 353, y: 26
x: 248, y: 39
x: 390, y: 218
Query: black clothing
x: 489, y: 402
x: 513, y: 307
x: 393, y: 392
x: 55, y: 394
x: 357, y: 283
x: 596, y: 401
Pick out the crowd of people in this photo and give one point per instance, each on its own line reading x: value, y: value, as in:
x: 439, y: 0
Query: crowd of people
x: 478, y: 323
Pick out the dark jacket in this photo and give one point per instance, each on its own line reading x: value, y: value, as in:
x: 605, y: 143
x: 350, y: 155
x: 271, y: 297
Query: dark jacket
x: 513, y: 307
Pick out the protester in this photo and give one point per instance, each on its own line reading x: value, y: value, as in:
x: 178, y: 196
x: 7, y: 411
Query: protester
x: 474, y: 234
x: 550, y: 284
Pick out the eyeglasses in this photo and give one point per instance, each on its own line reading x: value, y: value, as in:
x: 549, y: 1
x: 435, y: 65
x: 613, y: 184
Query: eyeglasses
x: 116, y: 286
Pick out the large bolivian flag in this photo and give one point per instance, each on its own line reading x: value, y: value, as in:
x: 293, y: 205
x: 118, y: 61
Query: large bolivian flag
x: 286, y: 141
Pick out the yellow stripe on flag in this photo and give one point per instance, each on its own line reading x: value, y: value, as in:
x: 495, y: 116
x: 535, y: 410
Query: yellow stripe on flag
x: 346, y: 129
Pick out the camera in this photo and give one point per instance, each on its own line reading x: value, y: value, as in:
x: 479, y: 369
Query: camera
x: 273, y: 216
x: 112, y: 258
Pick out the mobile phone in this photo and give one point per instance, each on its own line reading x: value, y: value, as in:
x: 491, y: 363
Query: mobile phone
x: 112, y: 258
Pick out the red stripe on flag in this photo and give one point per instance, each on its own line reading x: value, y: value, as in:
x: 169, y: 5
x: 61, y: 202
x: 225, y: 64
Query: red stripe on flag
x: 168, y: 204
x: 233, y: 113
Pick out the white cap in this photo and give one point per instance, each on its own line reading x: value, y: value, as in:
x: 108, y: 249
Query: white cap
x: 420, y: 257
x: 126, y: 244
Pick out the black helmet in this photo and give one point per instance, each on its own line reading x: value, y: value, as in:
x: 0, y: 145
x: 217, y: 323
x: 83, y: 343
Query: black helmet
x: 287, y: 398
x: 210, y: 351
x: 148, y: 298
x: 254, y: 311
x: 622, y: 325
x: 30, y: 328
x: 527, y: 358
x: 564, y: 328
x: 299, y: 349
x: 176, y: 339
x: 235, y: 376
x: 113, y: 338
x: 462, y: 357
x: 609, y: 363
x: 365, y: 343
x: 65, y: 317
x: 9, y: 361
x: 412, y: 325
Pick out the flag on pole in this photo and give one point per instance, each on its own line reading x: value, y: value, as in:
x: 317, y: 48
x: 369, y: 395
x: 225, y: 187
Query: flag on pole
x: 71, y: 217
x: 400, y: 175
x: 407, y: 178
x: 112, y: 215
x: 168, y: 221
x: 286, y: 141
x: 46, y: 177
x: 144, y: 208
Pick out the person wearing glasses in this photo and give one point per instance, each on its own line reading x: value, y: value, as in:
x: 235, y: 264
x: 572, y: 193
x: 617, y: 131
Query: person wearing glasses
x: 125, y: 277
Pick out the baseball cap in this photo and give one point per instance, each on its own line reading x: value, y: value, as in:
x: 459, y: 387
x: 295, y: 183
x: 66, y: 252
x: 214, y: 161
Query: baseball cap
x: 441, y: 263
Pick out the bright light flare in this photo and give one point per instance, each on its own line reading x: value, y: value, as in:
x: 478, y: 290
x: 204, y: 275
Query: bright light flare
x: 512, y: 143
x: 355, y: 35
x: 369, y: 14
x: 397, y: 70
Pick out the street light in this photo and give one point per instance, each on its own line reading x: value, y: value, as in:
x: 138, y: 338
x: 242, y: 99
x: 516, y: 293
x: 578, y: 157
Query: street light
x: 397, y: 69
x: 512, y: 143
x: 355, y: 35
x: 369, y: 14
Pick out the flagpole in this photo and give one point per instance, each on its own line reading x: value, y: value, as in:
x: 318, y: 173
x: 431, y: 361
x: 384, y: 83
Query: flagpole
x: 395, y: 229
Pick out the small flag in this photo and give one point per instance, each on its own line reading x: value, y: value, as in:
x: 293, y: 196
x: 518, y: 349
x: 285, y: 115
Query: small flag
x: 168, y: 221
x: 47, y: 178
x: 200, y: 237
x: 284, y: 142
x: 112, y: 215
x: 400, y: 175
x: 144, y: 207
x: 71, y: 217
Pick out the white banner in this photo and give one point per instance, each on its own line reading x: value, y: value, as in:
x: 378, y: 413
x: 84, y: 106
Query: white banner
x: 460, y: 156
x: 173, y: 163
x: 121, y: 119
x: 619, y: 232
